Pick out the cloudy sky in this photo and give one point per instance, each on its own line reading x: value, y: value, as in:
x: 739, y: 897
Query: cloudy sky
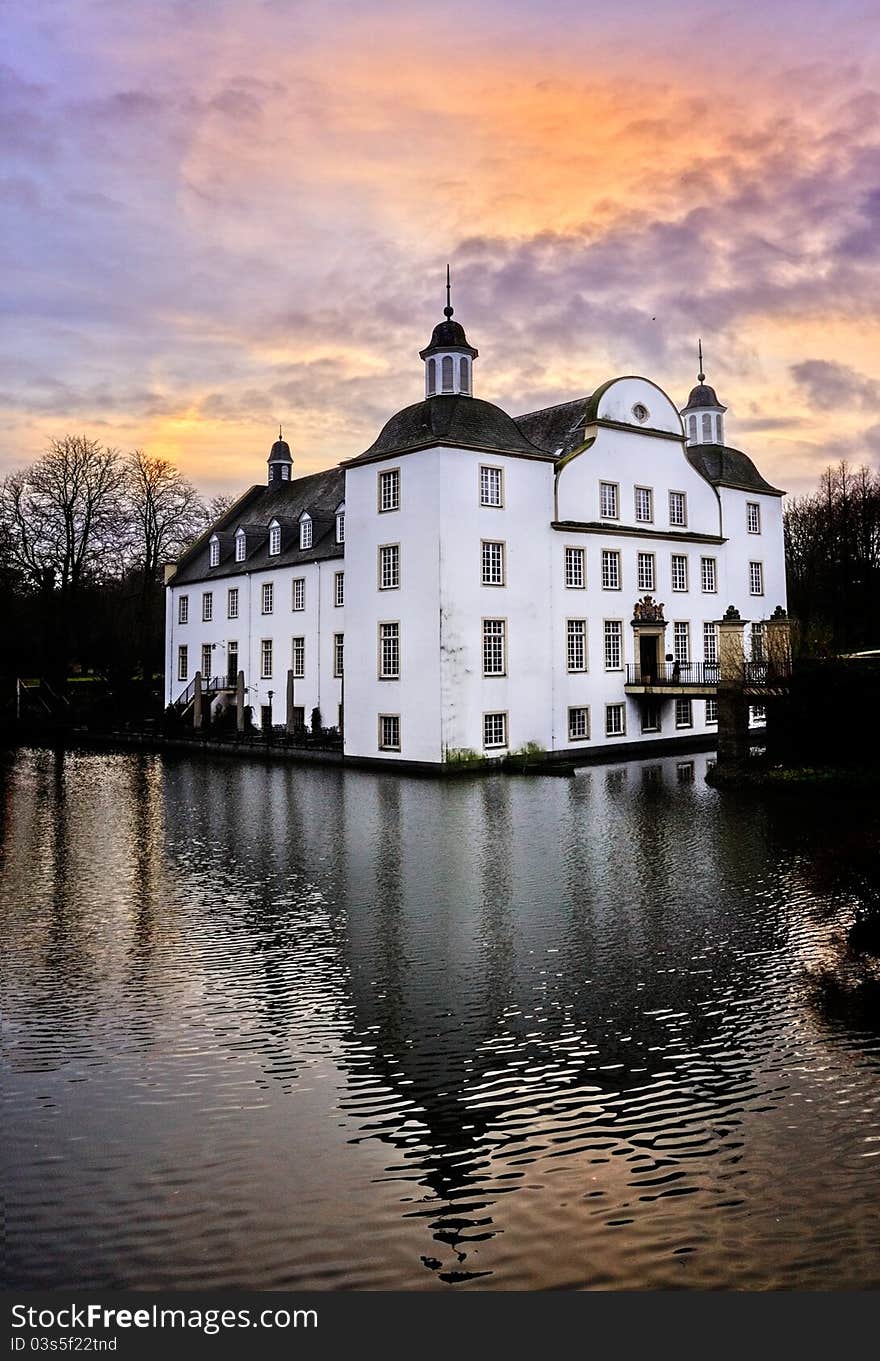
x: 218, y: 216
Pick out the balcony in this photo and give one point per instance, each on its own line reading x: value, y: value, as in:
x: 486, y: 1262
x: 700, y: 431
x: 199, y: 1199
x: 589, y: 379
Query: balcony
x: 673, y: 678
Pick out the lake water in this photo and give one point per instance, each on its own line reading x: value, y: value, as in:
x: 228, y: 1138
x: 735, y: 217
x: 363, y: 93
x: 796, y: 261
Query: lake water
x: 274, y: 1026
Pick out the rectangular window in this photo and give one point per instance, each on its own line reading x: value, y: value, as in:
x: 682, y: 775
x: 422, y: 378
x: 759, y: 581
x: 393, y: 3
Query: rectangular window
x: 681, y: 642
x: 305, y: 533
x: 274, y: 540
x: 753, y: 517
x: 389, y: 651
x: 576, y: 644
x: 758, y: 653
x: 389, y: 566
x: 389, y: 490
x: 651, y: 716
x: 647, y: 574
x: 610, y: 569
x: 684, y: 717
x: 494, y: 730
x: 608, y: 501
x: 710, y: 643
x: 677, y: 508
x: 232, y: 603
x: 240, y: 547
x: 267, y: 597
x: 389, y: 732
x: 207, y: 655
x: 338, y: 588
x: 298, y: 598
x: 494, y: 647
x: 644, y: 505
x: 758, y: 713
x: 575, y: 575
x: 492, y: 557
x: 679, y: 572
x: 214, y: 553
x: 491, y: 486
x: 338, y: 653
x: 711, y: 711
x: 207, y: 606
x: 183, y: 609
x: 613, y: 645
x: 266, y: 659
x: 298, y: 658
x: 182, y: 662
x: 340, y: 526
x: 579, y: 724
x: 756, y: 578
x: 708, y: 575
x: 615, y: 720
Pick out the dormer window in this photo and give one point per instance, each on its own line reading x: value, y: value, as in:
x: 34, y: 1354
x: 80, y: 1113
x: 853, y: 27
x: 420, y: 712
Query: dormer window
x: 340, y: 523
x: 305, y: 532
x: 240, y: 545
x: 214, y: 551
x: 274, y: 539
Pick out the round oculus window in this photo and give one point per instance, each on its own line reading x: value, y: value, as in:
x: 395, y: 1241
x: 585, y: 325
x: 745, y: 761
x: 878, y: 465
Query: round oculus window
x: 640, y: 412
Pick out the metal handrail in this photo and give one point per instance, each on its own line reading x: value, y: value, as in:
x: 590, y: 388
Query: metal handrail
x: 673, y: 673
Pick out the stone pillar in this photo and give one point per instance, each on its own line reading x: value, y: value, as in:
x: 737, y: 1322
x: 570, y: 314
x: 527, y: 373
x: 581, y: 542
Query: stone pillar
x: 290, y: 723
x: 197, y: 702
x: 731, y: 651
x: 733, y: 710
x: 239, y: 701
x: 777, y: 639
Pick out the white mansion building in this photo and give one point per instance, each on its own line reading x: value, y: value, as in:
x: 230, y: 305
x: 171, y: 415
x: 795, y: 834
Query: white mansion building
x: 475, y: 582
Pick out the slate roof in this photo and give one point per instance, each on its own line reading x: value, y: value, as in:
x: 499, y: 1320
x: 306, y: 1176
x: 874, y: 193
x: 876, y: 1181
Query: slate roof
x: 448, y: 335
x: 467, y: 422
x: 725, y: 467
x: 318, y: 493
x: 557, y: 429
x: 702, y: 396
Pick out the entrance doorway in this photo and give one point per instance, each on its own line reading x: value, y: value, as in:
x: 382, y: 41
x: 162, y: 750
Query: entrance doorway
x: 231, y: 663
x: 648, y: 658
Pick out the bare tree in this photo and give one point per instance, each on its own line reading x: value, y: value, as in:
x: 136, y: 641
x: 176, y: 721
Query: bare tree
x: 63, y: 513
x: 65, y: 525
x: 165, y: 511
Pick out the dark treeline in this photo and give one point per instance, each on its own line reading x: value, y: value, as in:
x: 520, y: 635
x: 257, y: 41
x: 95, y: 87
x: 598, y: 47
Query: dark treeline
x: 84, y: 533
x: 832, y: 550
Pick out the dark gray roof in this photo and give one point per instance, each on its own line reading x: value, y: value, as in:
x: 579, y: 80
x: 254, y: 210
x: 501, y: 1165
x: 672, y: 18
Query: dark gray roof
x: 318, y: 493
x: 280, y: 450
x: 448, y: 335
x: 726, y: 467
x: 702, y: 396
x: 558, y: 429
x: 466, y: 422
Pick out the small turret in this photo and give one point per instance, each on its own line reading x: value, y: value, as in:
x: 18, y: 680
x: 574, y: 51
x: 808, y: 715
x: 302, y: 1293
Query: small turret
x: 704, y: 415
x: 280, y: 461
x: 449, y: 359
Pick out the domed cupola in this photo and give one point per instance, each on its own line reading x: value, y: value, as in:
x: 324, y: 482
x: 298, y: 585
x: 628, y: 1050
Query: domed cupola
x: 280, y: 461
x: 449, y: 359
x: 704, y: 415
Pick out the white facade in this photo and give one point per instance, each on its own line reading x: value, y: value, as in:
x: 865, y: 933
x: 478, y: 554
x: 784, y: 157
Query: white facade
x: 491, y: 570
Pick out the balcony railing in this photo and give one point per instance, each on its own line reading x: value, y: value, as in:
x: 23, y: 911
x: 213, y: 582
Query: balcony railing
x: 766, y: 673
x: 210, y: 685
x: 674, y: 673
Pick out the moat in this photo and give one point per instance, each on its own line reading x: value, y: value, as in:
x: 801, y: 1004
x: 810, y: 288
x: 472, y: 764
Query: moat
x: 281, y: 1026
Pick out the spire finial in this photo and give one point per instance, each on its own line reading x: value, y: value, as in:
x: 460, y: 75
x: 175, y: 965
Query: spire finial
x: 279, y: 430
x: 701, y: 375
x: 448, y: 309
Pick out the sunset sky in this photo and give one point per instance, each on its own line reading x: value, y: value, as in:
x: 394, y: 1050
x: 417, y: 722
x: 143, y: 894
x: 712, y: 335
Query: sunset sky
x: 218, y: 216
